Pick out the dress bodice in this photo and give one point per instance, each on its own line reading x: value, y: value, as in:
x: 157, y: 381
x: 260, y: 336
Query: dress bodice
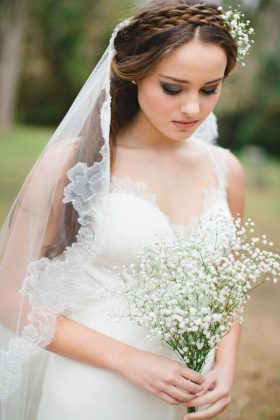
x: 130, y: 216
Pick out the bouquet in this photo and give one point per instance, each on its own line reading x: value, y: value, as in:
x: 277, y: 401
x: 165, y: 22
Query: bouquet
x: 190, y: 293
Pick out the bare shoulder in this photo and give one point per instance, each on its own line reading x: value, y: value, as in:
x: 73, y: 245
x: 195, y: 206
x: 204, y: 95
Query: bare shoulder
x: 234, y: 173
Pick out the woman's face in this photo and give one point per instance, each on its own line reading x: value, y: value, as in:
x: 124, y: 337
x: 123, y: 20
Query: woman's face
x: 183, y: 89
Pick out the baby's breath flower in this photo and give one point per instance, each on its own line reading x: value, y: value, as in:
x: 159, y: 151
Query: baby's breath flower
x: 240, y: 30
x: 189, y: 293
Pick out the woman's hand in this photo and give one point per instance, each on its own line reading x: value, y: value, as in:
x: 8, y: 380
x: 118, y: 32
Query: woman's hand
x: 216, y: 394
x: 169, y: 380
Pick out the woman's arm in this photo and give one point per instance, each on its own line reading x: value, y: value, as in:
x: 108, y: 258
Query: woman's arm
x: 219, y: 381
x: 236, y: 185
x: 169, y: 380
x: 226, y: 355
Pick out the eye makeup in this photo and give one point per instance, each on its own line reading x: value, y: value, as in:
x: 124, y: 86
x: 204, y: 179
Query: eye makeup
x: 172, y: 89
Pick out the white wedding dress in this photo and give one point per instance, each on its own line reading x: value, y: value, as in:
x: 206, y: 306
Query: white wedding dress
x: 129, y: 220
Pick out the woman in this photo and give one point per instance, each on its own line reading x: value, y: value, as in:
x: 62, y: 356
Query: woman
x: 156, y: 178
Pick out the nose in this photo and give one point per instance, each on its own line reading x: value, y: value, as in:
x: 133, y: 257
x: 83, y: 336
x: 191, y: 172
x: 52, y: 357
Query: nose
x: 191, y: 106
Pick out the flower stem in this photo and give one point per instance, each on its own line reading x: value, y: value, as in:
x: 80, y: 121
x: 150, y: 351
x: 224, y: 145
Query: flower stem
x: 191, y: 409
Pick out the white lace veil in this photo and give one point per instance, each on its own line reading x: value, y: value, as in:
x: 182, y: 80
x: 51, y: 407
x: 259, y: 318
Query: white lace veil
x: 34, y: 289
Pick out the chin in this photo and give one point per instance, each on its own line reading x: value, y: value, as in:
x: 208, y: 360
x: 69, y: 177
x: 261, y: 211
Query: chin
x: 182, y: 135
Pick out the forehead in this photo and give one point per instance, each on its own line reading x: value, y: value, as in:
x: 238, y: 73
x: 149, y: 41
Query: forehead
x: 194, y: 61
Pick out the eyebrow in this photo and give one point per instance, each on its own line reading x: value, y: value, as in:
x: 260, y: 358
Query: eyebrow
x: 186, y: 81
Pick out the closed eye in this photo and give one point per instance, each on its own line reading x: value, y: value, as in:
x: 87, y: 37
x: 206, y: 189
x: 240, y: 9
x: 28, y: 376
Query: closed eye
x: 209, y: 90
x: 171, y: 89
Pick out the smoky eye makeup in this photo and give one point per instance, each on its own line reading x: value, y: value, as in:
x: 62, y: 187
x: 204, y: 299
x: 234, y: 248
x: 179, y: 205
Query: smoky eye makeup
x: 173, y: 89
x: 211, y: 90
x: 170, y: 89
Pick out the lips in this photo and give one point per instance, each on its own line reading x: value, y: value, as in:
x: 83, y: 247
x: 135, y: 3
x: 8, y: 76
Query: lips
x: 185, y: 124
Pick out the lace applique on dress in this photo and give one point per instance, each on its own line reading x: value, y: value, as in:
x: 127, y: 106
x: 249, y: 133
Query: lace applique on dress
x: 211, y: 195
x: 140, y: 189
x: 128, y: 186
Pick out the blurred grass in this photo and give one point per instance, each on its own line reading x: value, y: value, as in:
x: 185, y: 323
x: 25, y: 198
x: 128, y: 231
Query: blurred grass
x: 19, y: 149
x: 257, y: 388
x: 263, y: 195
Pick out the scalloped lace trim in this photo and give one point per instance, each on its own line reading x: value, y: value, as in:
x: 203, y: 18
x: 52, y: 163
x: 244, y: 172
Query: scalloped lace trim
x: 45, y: 284
x: 47, y: 281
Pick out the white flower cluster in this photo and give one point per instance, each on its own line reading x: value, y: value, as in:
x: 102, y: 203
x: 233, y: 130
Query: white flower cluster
x: 240, y: 30
x: 189, y: 294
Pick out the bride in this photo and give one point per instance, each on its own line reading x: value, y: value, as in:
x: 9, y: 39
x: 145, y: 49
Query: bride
x: 129, y: 162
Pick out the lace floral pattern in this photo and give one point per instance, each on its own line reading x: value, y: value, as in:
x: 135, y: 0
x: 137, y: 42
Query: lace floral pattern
x: 84, y: 189
x: 45, y: 284
x: 211, y: 195
x: 138, y: 188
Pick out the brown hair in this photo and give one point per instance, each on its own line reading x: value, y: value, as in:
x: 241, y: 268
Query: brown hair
x: 154, y: 32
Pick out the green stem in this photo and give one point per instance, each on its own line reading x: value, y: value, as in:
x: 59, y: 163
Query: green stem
x: 191, y: 410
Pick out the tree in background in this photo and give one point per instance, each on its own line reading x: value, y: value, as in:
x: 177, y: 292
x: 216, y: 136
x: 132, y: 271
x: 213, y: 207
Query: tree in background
x: 65, y: 40
x: 12, y: 22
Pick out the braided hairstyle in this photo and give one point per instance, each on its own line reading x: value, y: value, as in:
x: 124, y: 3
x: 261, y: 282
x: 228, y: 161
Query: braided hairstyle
x: 154, y: 32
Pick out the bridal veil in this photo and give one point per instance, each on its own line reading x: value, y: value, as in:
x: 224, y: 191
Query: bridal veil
x: 40, y: 277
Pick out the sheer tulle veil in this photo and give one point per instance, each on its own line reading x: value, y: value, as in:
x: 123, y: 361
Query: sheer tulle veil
x: 35, y: 289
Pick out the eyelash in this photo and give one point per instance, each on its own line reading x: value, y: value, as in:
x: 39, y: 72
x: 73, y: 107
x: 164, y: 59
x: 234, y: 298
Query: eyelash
x: 170, y: 90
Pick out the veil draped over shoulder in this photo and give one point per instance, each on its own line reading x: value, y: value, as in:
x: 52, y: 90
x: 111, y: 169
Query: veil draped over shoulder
x: 40, y: 280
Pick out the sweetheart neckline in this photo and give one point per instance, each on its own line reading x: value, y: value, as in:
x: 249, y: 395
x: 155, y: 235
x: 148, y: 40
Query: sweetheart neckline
x: 176, y: 227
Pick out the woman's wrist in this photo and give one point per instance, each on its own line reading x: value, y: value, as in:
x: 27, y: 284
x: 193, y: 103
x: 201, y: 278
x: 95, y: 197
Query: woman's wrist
x: 227, y: 371
x: 120, y: 356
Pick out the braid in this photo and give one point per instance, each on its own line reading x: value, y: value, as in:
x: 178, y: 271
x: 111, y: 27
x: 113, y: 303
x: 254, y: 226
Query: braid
x: 181, y: 15
x: 145, y: 23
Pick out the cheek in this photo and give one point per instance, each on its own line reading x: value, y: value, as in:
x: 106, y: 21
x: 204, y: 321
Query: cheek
x: 154, y: 102
x: 208, y: 103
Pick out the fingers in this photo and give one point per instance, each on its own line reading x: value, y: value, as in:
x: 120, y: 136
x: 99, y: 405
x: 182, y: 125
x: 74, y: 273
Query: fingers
x: 179, y: 394
x: 211, y: 411
x: 193, y: 376
x: 168, y: 399
x: 209, y: 397
x: 188, y: 386
x: 208, y: 385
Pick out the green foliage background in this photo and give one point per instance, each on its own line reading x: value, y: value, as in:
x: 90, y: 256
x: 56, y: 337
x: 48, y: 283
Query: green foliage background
x: 65, y: 39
